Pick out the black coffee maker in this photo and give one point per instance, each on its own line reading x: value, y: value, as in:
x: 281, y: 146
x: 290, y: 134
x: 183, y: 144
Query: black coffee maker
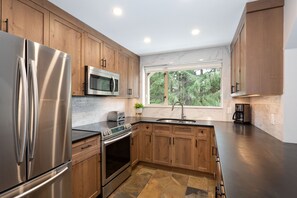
x: 242, y: 114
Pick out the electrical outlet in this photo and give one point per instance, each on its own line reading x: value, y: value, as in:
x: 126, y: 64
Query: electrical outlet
x: 272, y: 119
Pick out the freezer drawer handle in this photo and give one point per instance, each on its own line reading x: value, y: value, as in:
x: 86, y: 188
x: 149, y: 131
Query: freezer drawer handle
x: 20, y: 151
x: 32, y: 78
x: 42, y: 184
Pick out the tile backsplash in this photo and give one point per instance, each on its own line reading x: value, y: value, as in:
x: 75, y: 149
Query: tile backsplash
x: 86, y: 110
x: 267, y: 114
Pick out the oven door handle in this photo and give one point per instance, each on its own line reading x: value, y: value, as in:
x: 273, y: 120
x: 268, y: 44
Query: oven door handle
x: 107, y: 142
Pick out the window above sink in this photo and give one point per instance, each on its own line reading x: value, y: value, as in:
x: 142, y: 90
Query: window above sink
x: 196, y: 86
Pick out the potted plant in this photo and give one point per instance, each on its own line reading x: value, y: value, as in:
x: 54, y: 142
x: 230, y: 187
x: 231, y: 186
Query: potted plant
x: 138, y: 108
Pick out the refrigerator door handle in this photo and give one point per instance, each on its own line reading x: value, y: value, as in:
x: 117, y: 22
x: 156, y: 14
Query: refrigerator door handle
x: 21, y: 136
x: 32, y: 78
x: 43, y: 183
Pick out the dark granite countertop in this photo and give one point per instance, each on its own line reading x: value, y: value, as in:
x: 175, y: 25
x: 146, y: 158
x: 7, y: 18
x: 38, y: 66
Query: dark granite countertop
x: 254, y: 164
x: 78, y: 135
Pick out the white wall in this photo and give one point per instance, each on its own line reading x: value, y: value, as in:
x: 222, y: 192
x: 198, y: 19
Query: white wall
x: 193, y: 56
x: 290, y: 72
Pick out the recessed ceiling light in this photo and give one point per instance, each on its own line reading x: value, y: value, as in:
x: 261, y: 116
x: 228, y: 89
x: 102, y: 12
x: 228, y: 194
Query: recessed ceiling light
x: 147, y: 40
x: 117, y: 11
x: 201, y: 59
x: 195, y: 32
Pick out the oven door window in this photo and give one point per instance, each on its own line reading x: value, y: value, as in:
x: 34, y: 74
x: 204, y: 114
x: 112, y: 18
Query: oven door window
x: 117, y: 155
x: 100, y: 83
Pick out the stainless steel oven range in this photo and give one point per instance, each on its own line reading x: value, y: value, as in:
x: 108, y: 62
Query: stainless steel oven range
x: 115, y: 153
x: 115, y: 157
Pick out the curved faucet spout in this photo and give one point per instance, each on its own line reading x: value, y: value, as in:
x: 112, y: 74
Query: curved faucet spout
x: 182, y: 109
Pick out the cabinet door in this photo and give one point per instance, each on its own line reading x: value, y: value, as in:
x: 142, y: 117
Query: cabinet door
x: 203, y: 153
x: 110, y: 58
x: 26, y: 19
x: 86, y: 178
x: 242, y: 66
x: 146, y: 151
x: 133, y: 83
x: 123, y: 65
x: 91, y: 176
x: 77, y: 182
x: 71, y: 44
x: 237, y: 65
x: 134, y: 147
x: 93, y: 51
x: 183, y: 151
x: 162, y: 148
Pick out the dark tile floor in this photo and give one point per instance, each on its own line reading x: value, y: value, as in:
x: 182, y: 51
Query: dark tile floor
x: 147, y: 182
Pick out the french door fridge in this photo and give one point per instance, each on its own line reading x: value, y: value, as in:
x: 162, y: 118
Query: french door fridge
x: 35, y: 120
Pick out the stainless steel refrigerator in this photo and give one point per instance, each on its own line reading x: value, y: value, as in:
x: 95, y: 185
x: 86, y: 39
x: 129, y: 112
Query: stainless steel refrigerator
x: 35, y: 120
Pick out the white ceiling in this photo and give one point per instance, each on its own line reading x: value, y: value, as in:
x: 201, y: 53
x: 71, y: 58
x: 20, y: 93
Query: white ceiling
x: 168, y: 22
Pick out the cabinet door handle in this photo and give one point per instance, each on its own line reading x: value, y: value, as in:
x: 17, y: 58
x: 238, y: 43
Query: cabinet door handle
x: 6, y: 21
x: 196, y: 143
x: 232, y: 88
x: 129, y: 91
x: 102, y: 62
x: 105, y: 63
x: 87, y: 146
x: 237, y: 87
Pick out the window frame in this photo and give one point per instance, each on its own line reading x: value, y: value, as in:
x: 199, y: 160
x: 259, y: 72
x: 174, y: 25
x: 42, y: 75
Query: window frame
x: 166, y: 69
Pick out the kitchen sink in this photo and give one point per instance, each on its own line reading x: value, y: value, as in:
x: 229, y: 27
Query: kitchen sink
x: 172, y: 120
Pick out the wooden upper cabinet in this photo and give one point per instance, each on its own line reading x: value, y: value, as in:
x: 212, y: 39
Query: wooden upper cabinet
x: 25, y: 19
x: 123, y: 65
x: 93, y: 51
x: 133, y: 82
x: 110, y: 55
x: 257, y: 50
x: 69, y: 38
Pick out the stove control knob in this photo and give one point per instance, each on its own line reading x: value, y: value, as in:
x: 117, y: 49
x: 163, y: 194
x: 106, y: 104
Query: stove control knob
x: 107, y: 132
x: 128, y: 126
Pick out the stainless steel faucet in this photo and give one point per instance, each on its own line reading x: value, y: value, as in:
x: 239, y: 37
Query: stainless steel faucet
x: 182, y: 109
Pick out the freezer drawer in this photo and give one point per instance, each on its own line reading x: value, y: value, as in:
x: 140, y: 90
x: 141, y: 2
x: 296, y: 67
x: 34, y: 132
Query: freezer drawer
x: 54, y: 184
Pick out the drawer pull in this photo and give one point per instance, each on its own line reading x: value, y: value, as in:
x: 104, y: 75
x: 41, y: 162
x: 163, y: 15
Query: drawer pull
x: 147, y: 127
x: 87, y: 146
x: 201, y: 131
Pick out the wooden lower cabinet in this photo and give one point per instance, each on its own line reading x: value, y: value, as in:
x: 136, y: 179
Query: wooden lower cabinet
x: 86, y: 178
x: 146, y: 145
x: 183, y: 151
x: 135, y: 145
x: 202, y: 150
x: 180, y: 146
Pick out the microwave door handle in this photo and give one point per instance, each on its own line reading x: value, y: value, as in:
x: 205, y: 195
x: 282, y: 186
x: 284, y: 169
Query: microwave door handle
x: 113, y: 89
x: 111, y: 85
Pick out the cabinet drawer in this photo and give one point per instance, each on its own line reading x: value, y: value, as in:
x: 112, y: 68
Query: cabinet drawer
x: 203, y: 133
x: 147, y: 127
x: 183, y: 130
x: 135, y: 127
x: 85, y: 149
x: 162, y: 128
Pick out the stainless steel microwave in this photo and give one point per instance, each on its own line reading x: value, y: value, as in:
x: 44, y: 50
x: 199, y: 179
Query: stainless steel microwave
x: 100, y: 82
